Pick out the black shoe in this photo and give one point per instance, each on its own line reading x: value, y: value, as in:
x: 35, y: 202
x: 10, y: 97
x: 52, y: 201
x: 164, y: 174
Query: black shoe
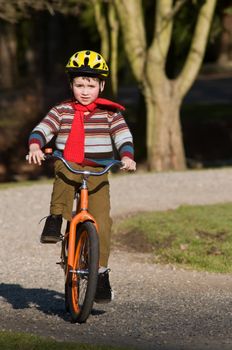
x: 51, y: 232
x: 104, y: 293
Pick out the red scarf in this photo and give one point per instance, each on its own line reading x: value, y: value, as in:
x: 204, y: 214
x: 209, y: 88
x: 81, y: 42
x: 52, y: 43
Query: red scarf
x: 74, y: 147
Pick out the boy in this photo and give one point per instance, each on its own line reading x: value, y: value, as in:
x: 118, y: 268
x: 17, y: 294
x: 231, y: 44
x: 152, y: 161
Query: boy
x: 86, y: 127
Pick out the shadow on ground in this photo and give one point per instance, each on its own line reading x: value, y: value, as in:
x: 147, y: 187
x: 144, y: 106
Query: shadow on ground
x: 48, y: 301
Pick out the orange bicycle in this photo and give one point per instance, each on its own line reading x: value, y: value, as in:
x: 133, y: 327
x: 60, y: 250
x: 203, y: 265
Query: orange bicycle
x: 80, y: 249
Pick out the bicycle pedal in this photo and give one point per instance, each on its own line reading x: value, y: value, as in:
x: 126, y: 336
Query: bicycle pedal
x: 61, y: 263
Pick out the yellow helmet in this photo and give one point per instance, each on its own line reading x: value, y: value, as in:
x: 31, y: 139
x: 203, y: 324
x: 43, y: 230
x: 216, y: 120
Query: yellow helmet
x: 89, y: 62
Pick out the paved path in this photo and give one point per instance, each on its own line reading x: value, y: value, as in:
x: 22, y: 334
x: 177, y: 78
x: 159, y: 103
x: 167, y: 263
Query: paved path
x: 156, y: 307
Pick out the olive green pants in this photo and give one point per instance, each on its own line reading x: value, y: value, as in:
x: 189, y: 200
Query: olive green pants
x: 99, y: 201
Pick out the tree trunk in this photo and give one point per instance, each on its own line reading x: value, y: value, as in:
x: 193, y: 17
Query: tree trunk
x: 163, y: 96
x: 225, y: 56
x: 8, y: 61
x: 164, y: 136
x: 102, y: 28
x: 114, y: 31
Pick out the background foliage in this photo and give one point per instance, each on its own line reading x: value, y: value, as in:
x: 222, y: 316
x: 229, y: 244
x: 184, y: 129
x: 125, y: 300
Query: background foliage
x: 36, y: 40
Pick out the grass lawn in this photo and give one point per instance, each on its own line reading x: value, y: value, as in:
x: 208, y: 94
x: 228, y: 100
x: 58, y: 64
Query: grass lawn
x: 22, y: 341
x: 195, y: 237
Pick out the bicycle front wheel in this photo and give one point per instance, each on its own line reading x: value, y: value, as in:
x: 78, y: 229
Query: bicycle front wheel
x: 82, y: 278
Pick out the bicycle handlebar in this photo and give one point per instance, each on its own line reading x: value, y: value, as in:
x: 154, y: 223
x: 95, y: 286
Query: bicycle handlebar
x: 56, y: 155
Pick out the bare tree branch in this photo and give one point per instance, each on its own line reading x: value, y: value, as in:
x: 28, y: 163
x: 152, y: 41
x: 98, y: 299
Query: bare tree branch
x: 102, y: 27
x: 162, y: 33
x: 178, y: 5
x: 114, y: 30
x: 197, y: 49
x: 14, y: 10
x: 132, y: 23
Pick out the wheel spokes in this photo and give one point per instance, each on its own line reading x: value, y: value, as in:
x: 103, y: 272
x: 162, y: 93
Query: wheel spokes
x: 80, y: 274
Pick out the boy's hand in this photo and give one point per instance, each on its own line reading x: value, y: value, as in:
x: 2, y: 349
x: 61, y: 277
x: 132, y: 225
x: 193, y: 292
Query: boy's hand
x: 128, y: 164
x: 35, y: 154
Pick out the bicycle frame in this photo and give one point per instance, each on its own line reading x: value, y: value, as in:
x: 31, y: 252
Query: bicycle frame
x: 82, y: 213
x: 80, y: 248
x: 81, y: 216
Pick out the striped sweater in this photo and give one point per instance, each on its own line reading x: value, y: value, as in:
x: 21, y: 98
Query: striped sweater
x: 102, y: 129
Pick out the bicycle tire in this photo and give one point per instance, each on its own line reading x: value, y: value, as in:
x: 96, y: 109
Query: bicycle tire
x: 64, y: 261
x: 82, y: 285
x: 64, y: 256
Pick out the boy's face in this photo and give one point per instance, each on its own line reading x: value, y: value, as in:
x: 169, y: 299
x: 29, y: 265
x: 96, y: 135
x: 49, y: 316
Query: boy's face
x: 86, y: 89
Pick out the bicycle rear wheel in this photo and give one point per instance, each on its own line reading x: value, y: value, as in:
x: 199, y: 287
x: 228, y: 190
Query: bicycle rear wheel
x: 82, y: 279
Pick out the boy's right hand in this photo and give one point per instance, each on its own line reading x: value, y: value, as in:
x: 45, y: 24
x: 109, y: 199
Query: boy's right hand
x: 35, y: 154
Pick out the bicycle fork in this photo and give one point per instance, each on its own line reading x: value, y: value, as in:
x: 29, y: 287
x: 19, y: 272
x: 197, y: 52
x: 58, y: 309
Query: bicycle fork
x: 81, y: 216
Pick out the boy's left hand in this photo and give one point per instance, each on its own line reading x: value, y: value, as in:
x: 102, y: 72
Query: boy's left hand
x: 128, y: 164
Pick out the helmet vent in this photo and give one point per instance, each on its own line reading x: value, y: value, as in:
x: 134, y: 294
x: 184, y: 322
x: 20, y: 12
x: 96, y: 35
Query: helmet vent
x: 96, y: 65
x: 75, y: 63
x: 86, y: 61
x: 89, y: 62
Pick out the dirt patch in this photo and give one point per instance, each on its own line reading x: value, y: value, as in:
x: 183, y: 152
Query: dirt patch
x: 219, y: 236
x: 134, y: 241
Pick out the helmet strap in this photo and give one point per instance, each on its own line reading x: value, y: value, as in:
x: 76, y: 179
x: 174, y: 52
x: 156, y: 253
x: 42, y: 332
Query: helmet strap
x: 102, y: 85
